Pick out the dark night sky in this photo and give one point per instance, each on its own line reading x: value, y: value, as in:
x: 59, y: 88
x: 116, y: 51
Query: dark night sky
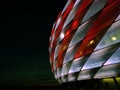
x: 24, y: 37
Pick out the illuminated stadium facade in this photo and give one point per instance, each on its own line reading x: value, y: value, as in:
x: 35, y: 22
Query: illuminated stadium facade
x: 85, y: 41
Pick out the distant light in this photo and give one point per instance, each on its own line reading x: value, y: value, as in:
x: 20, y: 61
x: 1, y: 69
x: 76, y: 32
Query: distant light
x: 92, y: 42
x: 62, y: 35
x: 75, y: 24
x: 114, y: 38
x: 58, y: 20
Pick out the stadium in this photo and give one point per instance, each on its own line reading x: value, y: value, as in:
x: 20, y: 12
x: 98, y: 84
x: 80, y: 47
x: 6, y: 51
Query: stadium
x: 84, y: 45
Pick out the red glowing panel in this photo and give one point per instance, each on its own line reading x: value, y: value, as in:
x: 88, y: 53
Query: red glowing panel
x: 75, y: 24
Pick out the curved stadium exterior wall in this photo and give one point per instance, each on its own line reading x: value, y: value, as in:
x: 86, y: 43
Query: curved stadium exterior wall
x: 85, y: 41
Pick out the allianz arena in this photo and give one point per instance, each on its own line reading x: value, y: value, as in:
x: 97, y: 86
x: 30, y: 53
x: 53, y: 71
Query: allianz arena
x: 85, y: 41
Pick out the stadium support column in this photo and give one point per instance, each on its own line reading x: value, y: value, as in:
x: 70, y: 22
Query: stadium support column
x: 116, y: 83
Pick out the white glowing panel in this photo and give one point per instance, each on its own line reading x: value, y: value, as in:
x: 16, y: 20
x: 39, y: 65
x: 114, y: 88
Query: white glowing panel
x: 57, y: 23
x: 77, y: 64
x: 65, y: 69
x: 115, y: 58
x: 55, y: 75
x: 70, y: 54
x: 72, y: 77
x: 80, y: 33
x: 97, y: 58
x: 64, y: 79
x: 56, y: 51
x: 94, y: 8
x: 108, y: 71
x: 83, y: 75
x: 58, y: 72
